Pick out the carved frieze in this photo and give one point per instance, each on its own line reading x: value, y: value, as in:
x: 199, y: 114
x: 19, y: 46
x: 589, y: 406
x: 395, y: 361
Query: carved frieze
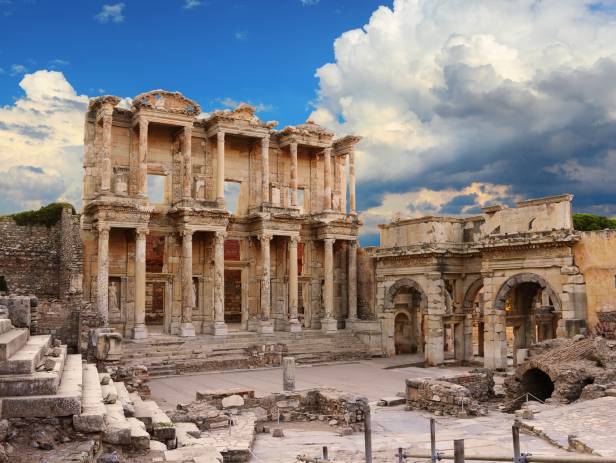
x: 164, y: 101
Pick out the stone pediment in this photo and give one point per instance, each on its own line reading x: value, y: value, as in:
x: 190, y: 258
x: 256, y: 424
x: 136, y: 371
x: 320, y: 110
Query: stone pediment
x: 100, y: 101
x: 243, y: 113
x: 169, y: 102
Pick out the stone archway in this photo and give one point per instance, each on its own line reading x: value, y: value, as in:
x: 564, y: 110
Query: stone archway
x: 408, y: 302
x: 529, y: 309
x: 473, y: 310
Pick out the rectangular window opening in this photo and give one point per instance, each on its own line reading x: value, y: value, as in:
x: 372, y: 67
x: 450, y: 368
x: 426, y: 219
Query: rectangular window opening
x: 156, y: 188
x: 232, y: 196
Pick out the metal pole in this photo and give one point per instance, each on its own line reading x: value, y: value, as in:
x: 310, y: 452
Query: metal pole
x: 368, y: 431
x: 433, y: 440
x: 458, y: 451
x: 515, y: 431
x: 529, y: 458
x: 325, y: 453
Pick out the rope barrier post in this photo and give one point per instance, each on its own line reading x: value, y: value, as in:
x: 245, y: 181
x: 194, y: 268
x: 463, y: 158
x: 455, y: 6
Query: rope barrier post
x: 433, y: 440
x: 458, y: 451
x: 400, y: 455
x: 325, y: 453
x: 367, y: 429
x: 516, y: 443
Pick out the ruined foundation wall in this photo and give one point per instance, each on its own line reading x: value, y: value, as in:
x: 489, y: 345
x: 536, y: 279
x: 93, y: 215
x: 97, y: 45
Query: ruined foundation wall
x: 595, y: 256
x: 46, y: 262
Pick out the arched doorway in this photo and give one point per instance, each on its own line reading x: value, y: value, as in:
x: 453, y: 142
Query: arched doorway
x: 537, y: 384
x: 473, y: 307
x: 531, y: 309
x: 408, y: 302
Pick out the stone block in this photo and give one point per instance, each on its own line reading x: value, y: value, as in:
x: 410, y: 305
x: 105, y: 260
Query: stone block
x: 233, y: 401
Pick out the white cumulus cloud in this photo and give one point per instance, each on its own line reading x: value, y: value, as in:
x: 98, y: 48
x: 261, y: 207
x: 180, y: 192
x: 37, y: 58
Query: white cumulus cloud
x: 111, y: 13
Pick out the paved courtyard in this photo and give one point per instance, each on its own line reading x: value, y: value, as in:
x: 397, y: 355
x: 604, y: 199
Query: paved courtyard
x: 392, y: 427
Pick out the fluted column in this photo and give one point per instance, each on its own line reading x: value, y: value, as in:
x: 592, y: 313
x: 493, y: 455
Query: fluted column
x: 103, y: 272
x: 106, y: 150
x: 142, y: 172
x: 294, y: 325
x: 220, y: 168
x: 139, y: 330
x: 266, y: 326
x: 352, y: 283
x: 188, y: 295
x: 187, y: 160
x: 329, y: 323
x: 327, y: 191
x: 220, y: 327
x: 352, y: 200
x: 293, y: 149
x: 265, y: 183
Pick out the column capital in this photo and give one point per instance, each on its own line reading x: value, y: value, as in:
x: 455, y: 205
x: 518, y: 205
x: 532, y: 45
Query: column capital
x: 293, y: 146
x: 353, y: 243
x: 141, y: 232
x: 329, y: 241
x: 266, y: 139
x: 220, y: 236
x: 265, y: 237
x: 294, y: 239
x: 103, y: 227
x: 327, y: 151
x: 220, y: 135
x: 187, y: 233
x: 143, y: 123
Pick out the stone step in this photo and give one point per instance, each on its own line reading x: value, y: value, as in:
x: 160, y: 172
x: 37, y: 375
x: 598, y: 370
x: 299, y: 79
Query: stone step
x: 11, y: 341
x: 35, y: 383
x: 66, y: 402
x: 118, y: 430
x: 125, y: 399
x: 25, y: 360
x: 157, y: 423
x: 93, y: 411
x: 139, y: 437
x: 5, y: 325
x: 108, y: 390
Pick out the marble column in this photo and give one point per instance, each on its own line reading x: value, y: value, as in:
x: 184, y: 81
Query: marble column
x: 142, y: 171
x: 328, y: 323
x: 342, y: 183
x: 103, y: 272
x: 106, y: 151
x: 188, y: 295
x: 435, y: 343
x: 265, y: 183
x: 327, y: 192
x: 266, y: 326
x: 293, y: 150
x: 352, y: 283
x: 220, y: 327
x: 139, y: 330
x: 220, y: 169
x: 352, y: 200
x: 187, y: 160
x: 294, y: 325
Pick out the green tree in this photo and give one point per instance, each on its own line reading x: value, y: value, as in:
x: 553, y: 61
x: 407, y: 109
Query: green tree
x: 589, y: 222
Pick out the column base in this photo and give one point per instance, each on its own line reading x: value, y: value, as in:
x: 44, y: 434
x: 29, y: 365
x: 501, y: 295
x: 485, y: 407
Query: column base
x: 187, y: 330
x: 294, y: 326
x: 266, y: 327
x: 140, y: 332
x: 329, y: 325
x: 220, y: 329
x: 349, y: 323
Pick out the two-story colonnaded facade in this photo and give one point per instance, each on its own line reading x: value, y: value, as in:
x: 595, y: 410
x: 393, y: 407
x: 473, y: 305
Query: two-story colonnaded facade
x: 196, y: 224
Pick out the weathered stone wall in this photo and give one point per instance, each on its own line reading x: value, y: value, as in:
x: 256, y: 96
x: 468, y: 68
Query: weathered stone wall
x: 46, y: 262
x: 595, y: 256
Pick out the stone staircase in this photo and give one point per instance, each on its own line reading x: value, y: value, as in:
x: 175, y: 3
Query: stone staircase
x: 170, y: 355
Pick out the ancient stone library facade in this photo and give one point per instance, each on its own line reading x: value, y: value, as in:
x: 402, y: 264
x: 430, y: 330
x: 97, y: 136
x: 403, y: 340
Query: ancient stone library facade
x: 203, y: 227
x: 198, y: 225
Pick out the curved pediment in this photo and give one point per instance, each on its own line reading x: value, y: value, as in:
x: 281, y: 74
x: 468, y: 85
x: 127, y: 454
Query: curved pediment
x: 171, y: 102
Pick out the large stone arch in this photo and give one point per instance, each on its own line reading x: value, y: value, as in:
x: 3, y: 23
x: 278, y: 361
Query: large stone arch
x: 471, y: 294
x: 501, y: 296
x: 397, y: 286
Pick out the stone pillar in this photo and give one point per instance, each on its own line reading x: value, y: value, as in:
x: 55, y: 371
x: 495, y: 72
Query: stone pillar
x: 342, y: 183
x: 187, y: 159
x: 352, y: 200
x: 435, y: 343
x: 288, y: 374
x: 293, y: 149
x: 106, y: 150
x: 139, y: 330
x: 142, y: 171
x: 265, y: 183
x: 495, y: 336
x: 220, y: 327
x: 220, y: 169
x: 266, y: 326
x: 329, y: 324
x: 188, y: 299
x: 327, y: 204
x: 294, y: 325
x: 103, y: 272
x: 352, y: 283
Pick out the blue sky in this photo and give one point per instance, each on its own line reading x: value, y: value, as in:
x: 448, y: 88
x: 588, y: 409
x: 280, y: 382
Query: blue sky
x: 460, y: 104
x: 263, y: 51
